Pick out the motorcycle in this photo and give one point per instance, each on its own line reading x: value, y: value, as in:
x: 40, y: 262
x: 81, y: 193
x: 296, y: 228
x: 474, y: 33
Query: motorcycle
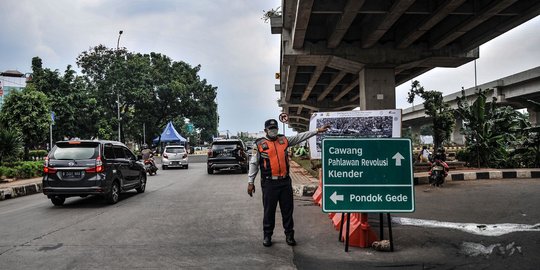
x: 437, y: 173
x: 150, y: 166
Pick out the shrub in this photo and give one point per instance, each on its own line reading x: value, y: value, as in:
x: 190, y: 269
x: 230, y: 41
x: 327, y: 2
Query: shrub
x: 37, y: 154
x: 22, y: 170
x: 8, y: 172
x: 462, y: 155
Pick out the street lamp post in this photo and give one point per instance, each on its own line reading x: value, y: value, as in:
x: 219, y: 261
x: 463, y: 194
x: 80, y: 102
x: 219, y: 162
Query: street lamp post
x: 118, y: 92
x: 118, y: 42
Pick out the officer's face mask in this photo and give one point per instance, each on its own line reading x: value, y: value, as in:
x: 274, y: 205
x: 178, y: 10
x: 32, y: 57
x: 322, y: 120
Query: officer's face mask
x: 272, y: 133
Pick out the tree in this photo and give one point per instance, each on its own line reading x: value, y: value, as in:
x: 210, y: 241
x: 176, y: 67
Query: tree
x: 10, y: 143
x: 528, y: 152
x: 75, y: 110
x: 490, y: 131
x: 426, y: 130
x: 441, y: 115
x: 152, y: 90
x: 29, y: 112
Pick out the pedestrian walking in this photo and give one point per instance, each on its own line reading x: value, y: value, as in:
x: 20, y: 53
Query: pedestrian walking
x: 272, y: 159
x: 424, y: 154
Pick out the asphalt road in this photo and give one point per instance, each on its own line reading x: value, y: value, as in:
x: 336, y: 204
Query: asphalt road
x: 188, y: 219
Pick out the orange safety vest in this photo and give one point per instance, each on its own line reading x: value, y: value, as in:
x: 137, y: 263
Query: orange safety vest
x: 274, y: 159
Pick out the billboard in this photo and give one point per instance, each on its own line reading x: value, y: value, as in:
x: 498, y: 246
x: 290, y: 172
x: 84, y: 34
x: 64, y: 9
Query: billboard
x: 354, y: 124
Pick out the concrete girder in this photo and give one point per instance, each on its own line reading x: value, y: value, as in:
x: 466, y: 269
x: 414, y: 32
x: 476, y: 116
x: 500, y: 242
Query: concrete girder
x: 314, y: 78
x: 354, y: 59
x: 289, y: 83
x: 299, y: 117
x: 332, y: 84
x: 316, y: 107
x: 289, y: 12
x: 395, y: 12
x: 475, y: 39
x: 301, y: 22
x: 344, y: 22
x: 467, y: 25
x: 442, y: 11
x: 346, y: 90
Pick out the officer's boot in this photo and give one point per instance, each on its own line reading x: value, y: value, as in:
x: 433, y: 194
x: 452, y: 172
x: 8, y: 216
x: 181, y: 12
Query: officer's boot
x: 289, y: 238
x: 267, y: 241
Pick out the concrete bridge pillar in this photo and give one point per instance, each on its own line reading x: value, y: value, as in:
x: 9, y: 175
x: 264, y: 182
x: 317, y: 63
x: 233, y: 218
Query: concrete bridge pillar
x: 377, y: 88
x: 534, y: 116
x: 456, y: 137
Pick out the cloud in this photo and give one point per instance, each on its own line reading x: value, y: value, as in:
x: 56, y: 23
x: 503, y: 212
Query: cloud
x: 235, y: 48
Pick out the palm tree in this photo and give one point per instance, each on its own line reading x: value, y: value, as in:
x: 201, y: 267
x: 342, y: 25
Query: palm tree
x: 10, y: 143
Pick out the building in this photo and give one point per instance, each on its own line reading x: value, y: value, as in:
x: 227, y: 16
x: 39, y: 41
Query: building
x: 11, y: 80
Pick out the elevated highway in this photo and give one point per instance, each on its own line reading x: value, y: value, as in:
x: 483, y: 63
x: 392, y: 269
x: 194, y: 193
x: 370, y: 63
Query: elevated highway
x: 341, y: 54
x: 517, y: 90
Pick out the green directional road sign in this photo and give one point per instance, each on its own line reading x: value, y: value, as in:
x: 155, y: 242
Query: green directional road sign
x: 367, y: 175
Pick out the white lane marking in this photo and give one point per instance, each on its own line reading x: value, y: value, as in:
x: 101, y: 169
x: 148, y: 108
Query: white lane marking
x: 473, y: 228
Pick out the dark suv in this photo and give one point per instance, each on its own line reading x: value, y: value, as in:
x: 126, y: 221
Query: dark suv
x: 227, y: 154
x: 81, y: 168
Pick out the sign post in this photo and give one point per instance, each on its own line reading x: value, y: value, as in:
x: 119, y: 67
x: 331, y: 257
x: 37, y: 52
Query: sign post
x: 50, y: 130
x: 367, y: 175
x: 283, y: 118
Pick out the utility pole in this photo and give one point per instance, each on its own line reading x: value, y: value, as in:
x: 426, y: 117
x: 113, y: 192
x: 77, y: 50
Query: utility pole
x: 118, y: 92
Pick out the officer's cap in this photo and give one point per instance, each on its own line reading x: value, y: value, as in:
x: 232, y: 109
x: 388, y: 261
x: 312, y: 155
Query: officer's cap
x: 270, y: 123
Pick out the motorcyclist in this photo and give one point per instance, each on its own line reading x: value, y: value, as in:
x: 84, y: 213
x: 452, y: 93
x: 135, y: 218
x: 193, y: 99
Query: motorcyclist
x: 440, y: 157
x: 147, y: 155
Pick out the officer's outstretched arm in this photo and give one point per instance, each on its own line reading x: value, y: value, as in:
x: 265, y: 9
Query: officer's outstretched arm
x: 253, y: 170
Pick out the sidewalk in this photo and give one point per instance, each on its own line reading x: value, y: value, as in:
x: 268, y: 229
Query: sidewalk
x: 305, y: 185
x: 20, y: 188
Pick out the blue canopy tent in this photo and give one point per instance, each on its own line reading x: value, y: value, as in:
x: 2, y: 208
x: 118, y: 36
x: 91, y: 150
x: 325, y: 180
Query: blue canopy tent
x: 170, y: 135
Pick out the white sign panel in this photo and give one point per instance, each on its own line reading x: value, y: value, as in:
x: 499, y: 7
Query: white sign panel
x: 354, y: 124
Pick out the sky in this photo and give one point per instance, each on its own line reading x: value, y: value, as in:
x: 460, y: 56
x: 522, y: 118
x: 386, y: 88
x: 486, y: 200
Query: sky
x: 230, y: 41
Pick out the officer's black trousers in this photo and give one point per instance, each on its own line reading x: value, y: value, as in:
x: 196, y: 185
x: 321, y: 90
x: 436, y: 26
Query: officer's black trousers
x: 274, y: 191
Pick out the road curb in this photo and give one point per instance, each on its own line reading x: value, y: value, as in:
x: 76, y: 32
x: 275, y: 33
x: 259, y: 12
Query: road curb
x: 19, y: 191
x: 304, y: 190
x: 484, y: 175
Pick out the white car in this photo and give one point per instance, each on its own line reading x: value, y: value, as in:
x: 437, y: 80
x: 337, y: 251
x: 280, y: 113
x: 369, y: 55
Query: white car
x: 174, y: 156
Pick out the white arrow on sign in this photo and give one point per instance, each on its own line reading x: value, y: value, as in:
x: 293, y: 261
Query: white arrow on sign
x: 335, y: 197
x: 398, y: 157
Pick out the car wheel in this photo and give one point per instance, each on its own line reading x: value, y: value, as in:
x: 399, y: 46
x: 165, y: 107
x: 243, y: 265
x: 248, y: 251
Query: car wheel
x: 244, y: 169
x: 186, y: 167
x: 142, y: 184
x: 58, y: 200
x: 114, y: 194
x: 163, y: 167
x: 210, y: 170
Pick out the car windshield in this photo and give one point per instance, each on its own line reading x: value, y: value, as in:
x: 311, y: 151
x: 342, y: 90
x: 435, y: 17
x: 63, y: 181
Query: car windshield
x: 173, y: 150
x: 225, y: 146
x: 75, y: 152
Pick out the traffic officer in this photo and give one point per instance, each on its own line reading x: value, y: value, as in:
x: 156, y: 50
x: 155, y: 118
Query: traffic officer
x: 272, y: 159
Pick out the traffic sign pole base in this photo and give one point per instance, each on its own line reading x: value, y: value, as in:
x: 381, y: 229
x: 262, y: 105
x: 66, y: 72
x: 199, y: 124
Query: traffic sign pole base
x: 361, y: 234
